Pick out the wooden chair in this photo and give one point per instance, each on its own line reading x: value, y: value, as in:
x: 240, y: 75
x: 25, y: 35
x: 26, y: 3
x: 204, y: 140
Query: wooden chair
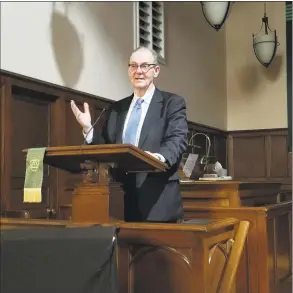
x: 228, y: 275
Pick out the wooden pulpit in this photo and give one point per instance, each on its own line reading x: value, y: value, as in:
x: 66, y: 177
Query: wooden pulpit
x: 95, y: 199
x: 193, y: 256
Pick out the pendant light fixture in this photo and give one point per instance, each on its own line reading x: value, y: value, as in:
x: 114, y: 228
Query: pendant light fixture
x: 216, y: 12
x: 265, y: 45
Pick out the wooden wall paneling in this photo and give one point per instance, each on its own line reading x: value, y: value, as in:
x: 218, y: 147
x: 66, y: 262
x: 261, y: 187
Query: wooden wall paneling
x: 72, y: 135
x: 100, y: 115
x: 230, y: 155
x: 290, y: 164
x: 6, y: 136
x: 31, y: 127
x: 249, y: 153
x: 64, y: 130
x: 268, y: 147
x: 261, y: 155
x: 268, y: 155
x: 30, y: 121
x: 220, y: 149
x: 287, y: 184
x: 218, y: 141
x: 279, y: 156
x: 2, y: 86
x: 58, y: 121
x: 32, y: 85
x: 21, y: 103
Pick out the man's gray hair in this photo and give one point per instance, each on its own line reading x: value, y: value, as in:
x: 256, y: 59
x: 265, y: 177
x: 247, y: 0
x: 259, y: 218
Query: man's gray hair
x: 153, y: 52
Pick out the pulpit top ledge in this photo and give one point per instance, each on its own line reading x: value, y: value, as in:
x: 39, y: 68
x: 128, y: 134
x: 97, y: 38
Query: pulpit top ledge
x: 123, y: 156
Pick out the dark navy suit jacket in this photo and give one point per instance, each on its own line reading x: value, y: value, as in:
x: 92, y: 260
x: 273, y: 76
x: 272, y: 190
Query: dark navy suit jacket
x: 152, y: 196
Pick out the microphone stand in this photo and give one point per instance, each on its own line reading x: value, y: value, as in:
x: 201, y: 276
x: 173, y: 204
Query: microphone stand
x: 205, y: 157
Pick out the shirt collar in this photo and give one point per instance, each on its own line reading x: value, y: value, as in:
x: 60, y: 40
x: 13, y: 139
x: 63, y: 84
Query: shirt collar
x: 148, y: 95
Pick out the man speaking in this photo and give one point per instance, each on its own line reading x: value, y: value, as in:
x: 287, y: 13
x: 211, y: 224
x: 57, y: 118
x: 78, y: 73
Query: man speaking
x: 155, y: 121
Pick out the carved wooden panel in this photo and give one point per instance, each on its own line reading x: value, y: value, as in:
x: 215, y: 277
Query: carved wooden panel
x: 30, y: 127
x: 250, y: 151
x: 25, y: 113
x: 260, y: 155
x: 279, y: 156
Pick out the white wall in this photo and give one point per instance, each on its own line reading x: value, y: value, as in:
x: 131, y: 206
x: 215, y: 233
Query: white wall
x: 196, y: 63
x: 86, y: 46
x: 76, y: 44
x: 256, y: 96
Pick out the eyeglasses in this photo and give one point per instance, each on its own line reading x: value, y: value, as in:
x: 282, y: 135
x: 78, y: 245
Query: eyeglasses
x: 143, y: 67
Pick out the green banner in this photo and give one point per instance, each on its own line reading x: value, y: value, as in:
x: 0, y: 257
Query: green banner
x: 34, y: 175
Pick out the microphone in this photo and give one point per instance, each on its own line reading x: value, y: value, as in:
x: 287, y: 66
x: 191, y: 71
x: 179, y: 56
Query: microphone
x: 84, y: 142
x: 193, y: 146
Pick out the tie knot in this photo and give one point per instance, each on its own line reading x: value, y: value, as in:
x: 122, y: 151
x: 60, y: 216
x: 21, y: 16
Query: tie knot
x: 139, y: 102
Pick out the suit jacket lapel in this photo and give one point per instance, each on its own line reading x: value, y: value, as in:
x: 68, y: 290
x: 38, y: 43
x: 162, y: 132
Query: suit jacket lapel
x: 153, y: 113
x: 121, y: 118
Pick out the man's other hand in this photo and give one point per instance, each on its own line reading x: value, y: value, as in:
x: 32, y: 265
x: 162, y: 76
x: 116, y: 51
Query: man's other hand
x: 157, y: 156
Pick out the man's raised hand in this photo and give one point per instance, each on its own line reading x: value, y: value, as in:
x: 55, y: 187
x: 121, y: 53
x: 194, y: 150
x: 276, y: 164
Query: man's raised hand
x: 83, y: 118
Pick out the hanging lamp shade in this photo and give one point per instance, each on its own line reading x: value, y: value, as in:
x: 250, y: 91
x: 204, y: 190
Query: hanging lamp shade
x: 216, y: 13
x: 265, y: 44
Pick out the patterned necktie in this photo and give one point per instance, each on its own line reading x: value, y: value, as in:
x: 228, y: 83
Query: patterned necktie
x: 132, y: 125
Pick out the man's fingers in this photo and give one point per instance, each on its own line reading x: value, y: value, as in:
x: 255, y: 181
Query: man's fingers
x: 74, y: 108
x: 86, y: 108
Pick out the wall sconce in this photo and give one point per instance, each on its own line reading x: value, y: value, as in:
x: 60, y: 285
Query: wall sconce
x: 265, y: 46
x: 216, y: 13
